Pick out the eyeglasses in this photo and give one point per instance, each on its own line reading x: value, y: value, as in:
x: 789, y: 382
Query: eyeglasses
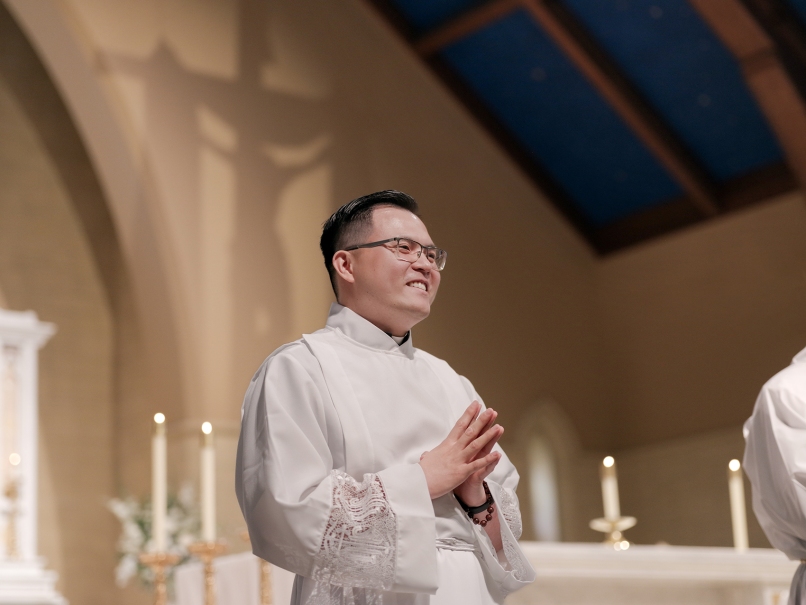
x: 408, y: 250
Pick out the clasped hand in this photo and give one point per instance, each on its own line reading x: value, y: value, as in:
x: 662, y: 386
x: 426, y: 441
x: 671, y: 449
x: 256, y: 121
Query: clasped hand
x: 465, y: 458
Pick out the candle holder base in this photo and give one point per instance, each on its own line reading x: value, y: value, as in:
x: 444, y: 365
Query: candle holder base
x: 159, y: 562
x: 613, y: 530
x: 206, y: 552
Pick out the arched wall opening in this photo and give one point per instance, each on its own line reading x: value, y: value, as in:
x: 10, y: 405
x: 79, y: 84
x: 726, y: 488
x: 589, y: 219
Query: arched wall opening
x: 60, y: 256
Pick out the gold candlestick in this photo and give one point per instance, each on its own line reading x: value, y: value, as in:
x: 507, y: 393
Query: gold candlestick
x: 265, y: 576
x: 612, y: 530
x: 207, y: 551
x: 159, y: 562
x: 265, y: 582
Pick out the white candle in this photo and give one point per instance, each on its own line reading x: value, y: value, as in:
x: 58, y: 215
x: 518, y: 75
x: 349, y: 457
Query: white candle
x: 738, y: 515
x: 159, y: 484
x: 10, y: 388
x: 208, y: 483
x: 612, y: 510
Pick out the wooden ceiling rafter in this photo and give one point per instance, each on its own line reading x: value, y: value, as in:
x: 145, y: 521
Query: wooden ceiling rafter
x: 783, y: 24
x: 516, y: 151
x: 603, y: 74
x: 764, y: 184
x: 760, y: 185
x: 594, y: 63
x: 765, y: 74
x: 465, y: 25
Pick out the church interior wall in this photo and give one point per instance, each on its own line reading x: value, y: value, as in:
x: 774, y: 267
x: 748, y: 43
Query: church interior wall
x: 243, y: 163
x: 697, y: 322
x: 247, y: 124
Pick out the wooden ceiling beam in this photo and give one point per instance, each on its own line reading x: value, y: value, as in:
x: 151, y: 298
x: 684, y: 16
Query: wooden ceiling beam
x: 749, y: 41
x: 783, y: 24
x: 765, y: 75
x: 605, y: 76
x: 465, y: 25
x: 759, y: 186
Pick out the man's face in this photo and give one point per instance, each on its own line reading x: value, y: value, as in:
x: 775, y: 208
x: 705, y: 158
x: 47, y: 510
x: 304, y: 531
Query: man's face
x: 390, y: 291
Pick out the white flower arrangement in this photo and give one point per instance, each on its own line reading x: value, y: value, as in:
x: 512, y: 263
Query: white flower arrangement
x: 182, y: 527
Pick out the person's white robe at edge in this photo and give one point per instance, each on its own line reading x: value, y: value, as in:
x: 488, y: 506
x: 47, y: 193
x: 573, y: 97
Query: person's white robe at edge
x: 775, y: 463
x: 328, y: 474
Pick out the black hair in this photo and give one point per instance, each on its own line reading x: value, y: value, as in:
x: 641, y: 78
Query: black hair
x: 354, y: 220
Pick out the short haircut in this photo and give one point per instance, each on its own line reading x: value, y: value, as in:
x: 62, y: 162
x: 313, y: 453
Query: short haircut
x: 354, y: 220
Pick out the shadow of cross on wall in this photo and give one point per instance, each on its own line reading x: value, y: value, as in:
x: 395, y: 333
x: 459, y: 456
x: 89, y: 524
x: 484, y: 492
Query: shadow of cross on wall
x: 175, y: 102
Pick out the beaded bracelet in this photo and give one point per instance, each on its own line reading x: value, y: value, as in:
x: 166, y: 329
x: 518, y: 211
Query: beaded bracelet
x: 472, y: 511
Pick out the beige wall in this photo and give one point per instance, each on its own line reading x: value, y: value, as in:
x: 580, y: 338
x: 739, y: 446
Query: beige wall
x: 223, y: 133
x: 697, y: 322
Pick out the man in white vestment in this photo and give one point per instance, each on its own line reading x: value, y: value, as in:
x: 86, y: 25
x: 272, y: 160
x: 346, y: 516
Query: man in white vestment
x: 369, y: 467
x: 775, y: 463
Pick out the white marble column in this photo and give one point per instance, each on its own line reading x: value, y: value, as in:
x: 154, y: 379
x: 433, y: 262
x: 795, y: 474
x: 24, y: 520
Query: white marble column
x: 22, y: 573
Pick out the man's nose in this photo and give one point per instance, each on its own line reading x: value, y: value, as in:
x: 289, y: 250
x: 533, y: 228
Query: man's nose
x: 422, y: 264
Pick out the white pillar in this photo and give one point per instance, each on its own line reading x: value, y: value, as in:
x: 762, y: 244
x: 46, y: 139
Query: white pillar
x: 21, y: 337
x: 23, y: 579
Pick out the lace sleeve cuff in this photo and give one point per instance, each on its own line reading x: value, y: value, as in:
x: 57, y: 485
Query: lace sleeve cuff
x: 516, y: 571
x: 508, y: 506
x: 360, y: 540
x: 380, y: 534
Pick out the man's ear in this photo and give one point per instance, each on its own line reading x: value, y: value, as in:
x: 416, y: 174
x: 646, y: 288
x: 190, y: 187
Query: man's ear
x: 343, y: 265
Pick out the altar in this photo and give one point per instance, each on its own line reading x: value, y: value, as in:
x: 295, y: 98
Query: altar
x: 569, y: 574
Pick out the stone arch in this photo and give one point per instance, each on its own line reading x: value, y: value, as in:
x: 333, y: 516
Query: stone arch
x: 63, y: 254
x: 110, y: 185
x: 546, y: 423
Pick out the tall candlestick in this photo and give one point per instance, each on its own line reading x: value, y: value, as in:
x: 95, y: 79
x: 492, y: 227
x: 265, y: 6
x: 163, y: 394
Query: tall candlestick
x: 738, y: 515
x: 612, y: 510
x: 208, y: 483
x: 159, y: 484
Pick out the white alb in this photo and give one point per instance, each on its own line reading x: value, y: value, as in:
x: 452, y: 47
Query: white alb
x: 333, y: 426
x: 775, y: 463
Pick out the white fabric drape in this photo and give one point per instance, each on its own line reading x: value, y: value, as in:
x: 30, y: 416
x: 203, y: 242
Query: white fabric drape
x: 775, y: 463
x: 333, y: 426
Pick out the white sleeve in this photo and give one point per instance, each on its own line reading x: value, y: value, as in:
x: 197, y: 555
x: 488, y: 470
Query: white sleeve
x: 317, y: 521
x: 775, y: 461
x: 510, y: 569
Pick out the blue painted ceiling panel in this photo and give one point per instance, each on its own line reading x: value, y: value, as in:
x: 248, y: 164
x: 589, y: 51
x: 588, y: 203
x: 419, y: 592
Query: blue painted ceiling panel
x: 424, y: 15
x: 690, y: 78
x: 557, y: 115
x: 800, y: 8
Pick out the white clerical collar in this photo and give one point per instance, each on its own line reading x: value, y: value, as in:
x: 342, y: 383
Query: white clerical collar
x: 399, y: 339
x: 355, y: 327
x: 800, y: 357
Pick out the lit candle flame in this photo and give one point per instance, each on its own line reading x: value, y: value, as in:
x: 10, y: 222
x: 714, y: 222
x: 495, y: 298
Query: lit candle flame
x: 159, y: 417
x: 734, y: 465
x: 207, y: 428
x: 608, y: 461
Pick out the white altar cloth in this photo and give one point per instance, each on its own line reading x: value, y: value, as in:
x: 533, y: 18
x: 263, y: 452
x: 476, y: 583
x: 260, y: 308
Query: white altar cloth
x: 570, y: 574
x: 237, y: 579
